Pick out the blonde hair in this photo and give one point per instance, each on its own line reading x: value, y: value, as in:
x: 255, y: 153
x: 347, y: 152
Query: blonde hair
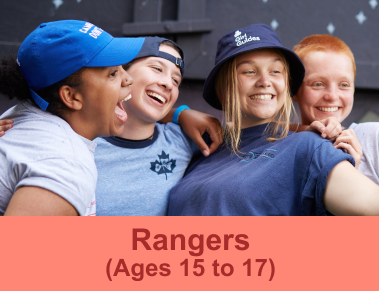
x: 324, y: 43
x: 227, y: 90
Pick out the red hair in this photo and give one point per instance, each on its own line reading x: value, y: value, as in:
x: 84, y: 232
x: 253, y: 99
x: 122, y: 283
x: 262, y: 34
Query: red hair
x: 325, y: 43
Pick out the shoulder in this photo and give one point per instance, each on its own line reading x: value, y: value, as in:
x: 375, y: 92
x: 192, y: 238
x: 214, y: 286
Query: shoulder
x: 367, y: 128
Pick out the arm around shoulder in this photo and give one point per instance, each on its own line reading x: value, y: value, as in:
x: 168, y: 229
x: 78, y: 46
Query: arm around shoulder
x: 349, y: 192
x: 35, y: 201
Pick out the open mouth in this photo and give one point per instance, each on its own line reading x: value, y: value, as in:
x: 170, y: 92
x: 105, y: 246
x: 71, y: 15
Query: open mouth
x: 119, y: 110
x: 261, y: 97
x: 328, y: 109
x: 156, y: 97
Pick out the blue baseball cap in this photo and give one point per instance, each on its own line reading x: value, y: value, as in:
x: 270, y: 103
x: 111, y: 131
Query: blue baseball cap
x: 151, y: 48
x: 242, y: 40
x: 55, y: 50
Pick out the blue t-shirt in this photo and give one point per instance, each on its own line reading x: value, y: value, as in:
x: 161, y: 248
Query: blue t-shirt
x: 286, y: 177
x: 135, y: 177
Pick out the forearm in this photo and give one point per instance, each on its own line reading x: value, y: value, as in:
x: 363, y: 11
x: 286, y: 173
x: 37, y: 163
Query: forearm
x: 349, y: 192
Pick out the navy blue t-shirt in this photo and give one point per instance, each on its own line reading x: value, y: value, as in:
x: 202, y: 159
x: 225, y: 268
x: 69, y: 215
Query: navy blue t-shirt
x: 286, y: 177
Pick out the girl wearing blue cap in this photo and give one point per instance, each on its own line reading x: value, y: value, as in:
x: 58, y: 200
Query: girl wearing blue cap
x: 138, y: 168
x: 272, y: 170
x: 70, y: 77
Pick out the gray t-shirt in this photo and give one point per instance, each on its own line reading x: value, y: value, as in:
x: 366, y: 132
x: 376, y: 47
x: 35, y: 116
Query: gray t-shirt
x: 368, y: 136
x: 42, y: 150
x: 135, y: 177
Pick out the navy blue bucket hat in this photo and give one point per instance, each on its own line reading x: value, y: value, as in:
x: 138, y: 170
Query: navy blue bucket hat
x: 151, y: 48
x: 252, y: 37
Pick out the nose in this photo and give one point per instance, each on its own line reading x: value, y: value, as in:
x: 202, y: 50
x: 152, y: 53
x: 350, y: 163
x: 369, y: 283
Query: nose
x: 263, y: 81
x: 166, y: 82
x: 127, y: 79
x: 331, y: 94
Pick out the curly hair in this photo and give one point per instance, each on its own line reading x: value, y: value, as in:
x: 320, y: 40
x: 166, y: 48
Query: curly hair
x: 14, y: 85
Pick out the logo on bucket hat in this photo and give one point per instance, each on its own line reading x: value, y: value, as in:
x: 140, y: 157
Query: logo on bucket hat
x: 237, y: 42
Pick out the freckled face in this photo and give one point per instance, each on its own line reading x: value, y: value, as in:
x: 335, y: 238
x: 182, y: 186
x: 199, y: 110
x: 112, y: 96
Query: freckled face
x: 155, y: 87
x: 103, y: 90
x: 328, y: 87
x: 261, y: 76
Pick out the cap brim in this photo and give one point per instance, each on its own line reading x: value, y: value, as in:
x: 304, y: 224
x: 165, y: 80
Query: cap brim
x: 297, y: 73
x: 119, y: 51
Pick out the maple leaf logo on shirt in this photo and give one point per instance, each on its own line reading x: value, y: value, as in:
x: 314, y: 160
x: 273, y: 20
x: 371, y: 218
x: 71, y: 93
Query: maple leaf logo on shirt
x: 164, y: 166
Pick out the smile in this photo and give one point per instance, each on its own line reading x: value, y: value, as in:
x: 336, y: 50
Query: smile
x: 156, y: 97
x: 261, y: 97
x: 127, y: 98
x: 328, y: 109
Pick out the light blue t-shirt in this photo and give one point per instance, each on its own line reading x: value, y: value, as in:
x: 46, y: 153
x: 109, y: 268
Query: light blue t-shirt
x: 135, y: 177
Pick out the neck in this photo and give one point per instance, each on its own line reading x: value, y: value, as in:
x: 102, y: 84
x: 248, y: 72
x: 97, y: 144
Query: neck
x: 251, y: 123
x: 79, y: 125
x: 137, y: 130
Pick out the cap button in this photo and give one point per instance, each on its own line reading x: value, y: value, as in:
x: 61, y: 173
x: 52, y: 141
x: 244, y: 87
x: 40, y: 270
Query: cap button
x: 42, y: 25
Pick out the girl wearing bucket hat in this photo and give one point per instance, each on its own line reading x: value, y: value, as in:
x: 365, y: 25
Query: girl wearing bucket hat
x: 273, y: 171
x: 69, y: 76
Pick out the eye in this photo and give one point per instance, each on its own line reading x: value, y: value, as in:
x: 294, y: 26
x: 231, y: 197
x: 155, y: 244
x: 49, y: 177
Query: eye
x: 318, y: 84
x: 157, y: 69
x: 276, y: 72
x: 114, y: 73
x: 176, y: 81
x: 345, y: 85
x: 249, y: 72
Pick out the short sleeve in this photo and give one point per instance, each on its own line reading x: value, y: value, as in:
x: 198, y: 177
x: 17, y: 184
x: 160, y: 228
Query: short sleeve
x: 323, y: 159
x: 69, y: 179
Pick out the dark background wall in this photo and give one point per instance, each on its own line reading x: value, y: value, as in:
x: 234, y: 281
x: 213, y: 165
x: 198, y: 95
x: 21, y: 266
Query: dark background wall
x: 196, y: 25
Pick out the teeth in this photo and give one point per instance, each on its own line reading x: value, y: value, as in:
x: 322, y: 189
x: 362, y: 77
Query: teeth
x: 328, y: 109
x: 127, y: 98
x: 261, y: 97
x: 155, y: 95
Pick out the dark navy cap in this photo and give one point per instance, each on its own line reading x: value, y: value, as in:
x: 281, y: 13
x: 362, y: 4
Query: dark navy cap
x: 151, y: 48
x: 252, y: 37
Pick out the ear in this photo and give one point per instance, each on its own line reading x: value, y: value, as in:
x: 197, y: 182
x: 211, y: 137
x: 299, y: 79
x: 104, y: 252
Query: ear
x: 294, y: 98
x: 71, y: 97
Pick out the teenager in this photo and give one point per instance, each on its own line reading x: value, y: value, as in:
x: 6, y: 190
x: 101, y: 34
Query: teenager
x: 138, y: 168
x: 69, y: 77
x: 272, y: 170
x: 328, y: 91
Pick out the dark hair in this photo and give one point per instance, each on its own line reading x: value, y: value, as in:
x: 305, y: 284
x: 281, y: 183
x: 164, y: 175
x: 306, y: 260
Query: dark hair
x: 165, y: 42
x: 13, y: 85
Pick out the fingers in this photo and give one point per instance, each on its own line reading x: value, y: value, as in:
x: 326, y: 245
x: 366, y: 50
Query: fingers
x: 316, y: 126
x: 332, y: 131
x: 5, y: 125
x: 202, y: 145
x: 348, y: 136
x: 350, y: 150
x: 216, y: 134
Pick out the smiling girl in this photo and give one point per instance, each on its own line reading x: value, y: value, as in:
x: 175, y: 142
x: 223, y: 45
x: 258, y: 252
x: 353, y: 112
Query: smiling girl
x: 328, y: 90
x: 273, y: 171
x: 69, y: 76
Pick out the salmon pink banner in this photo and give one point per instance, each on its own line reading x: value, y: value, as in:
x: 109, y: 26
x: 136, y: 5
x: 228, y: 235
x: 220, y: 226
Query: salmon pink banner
x: 189, y: 253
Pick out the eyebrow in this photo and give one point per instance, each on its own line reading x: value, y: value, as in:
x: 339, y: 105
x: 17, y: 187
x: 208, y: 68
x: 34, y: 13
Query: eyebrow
x: 252, y: 62
x: 164, y: 65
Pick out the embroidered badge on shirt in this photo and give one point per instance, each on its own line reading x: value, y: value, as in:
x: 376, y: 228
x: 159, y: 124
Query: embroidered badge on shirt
x: 164, y: 166
x: 268, y: 153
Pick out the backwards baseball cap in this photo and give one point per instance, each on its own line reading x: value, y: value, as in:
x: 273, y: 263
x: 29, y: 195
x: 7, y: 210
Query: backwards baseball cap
x: 55, y: 50
x: 151, y: 48
x: 252, y: 37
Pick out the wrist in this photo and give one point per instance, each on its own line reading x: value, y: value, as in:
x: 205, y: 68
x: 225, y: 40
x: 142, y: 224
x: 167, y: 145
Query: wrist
x: 178, y: 112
